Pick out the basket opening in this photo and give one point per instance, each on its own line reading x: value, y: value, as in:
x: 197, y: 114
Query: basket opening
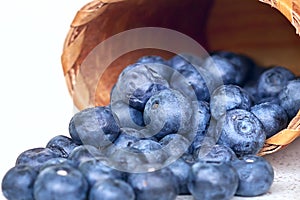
x: 247, y: 26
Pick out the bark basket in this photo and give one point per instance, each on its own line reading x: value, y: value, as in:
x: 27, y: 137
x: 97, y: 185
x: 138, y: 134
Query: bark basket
x: 266, y: 30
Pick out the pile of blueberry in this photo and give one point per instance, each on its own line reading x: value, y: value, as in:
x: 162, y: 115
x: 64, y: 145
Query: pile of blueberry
x: 189, y: 125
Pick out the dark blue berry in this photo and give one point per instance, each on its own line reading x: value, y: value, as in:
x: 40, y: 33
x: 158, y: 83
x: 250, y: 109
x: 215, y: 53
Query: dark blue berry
x: 289, y: 98
x: 152, y: 150
x: 111, y: 189
x: 241, y: 131
x: 200, y: 122
x: 273, y: 80
x: 179, y: 60
x: 256, y: 175
x: 61, y: 182
x: 158, y: 185
x: 242, y: 62
x: 224, y: 70
x: 36, y: 157
x: 272, y: 116
x: 58, y: 161
x: 127, y: 159
x: 158, y: 64
x: 228, y: 97
x: 175, y: 145
x: 95, y: 126
x: 17, y: 183
x: 137, y: 85
x: 181, y: 169
x: 98, y: 169
x: 190, y: 80
x: 127, y: 115
x: 85, y: 152
x: 127, y: 137
x: 212, y: 180
x: 216, y: 153
x: 160, y: 116
x: 61, y: 144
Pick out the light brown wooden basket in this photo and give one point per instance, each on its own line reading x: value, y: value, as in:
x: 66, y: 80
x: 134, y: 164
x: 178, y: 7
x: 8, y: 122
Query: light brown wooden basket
x: 249, y: 26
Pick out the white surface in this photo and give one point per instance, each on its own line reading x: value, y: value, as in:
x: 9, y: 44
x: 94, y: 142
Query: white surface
x: 35, y: 104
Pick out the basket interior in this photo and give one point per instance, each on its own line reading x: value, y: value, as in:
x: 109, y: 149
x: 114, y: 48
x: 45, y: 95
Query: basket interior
x: 249, y: 27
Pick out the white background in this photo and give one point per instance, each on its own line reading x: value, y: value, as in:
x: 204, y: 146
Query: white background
x: 34, y: 104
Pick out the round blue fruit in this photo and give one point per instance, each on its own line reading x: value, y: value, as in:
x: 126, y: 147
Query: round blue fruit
x: 272, y: 116
x: 216, y: 153
x: 273, y: 80
x: 61, y: 144
x: 85, y: 152
x: 243, y: 64
x: 228, y: 97
x: 61, y: 182
x: 212, y: 180
x: 167, y: 112
x: 17, y: 183
x: 241, y: 131
x: 159, y: 185
x: 95, y: 126
x: 36, y: 157
x: 256, y: 175
x: 289, y: 98
x: 98, y: 169
x: 135, y: 86
x: 111, y: 189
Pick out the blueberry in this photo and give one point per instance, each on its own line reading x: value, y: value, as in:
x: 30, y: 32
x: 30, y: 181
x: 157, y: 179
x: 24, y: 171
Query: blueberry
x: 162, y: 119
x: 57, y: 161
x: 158, y: 185
x: 228, y: 97
x: 152, y: 150
x: 95, y: 126
x: 36, y: 157
x: 289, y: 98
x: 190, y: 80
x: 61, y: 144
x: 242, y: 62
x: 158, y: 64
x: 128, y: 116
x: 127, y: 159
x: 111, y: 189
x: 137, y: 85
x: 200, y: 123
x: 17, y: 183
x: 179, y: 60
x: 216, y: 153
x: 98, y: 169
x: 175, y: 145
x: 212, y: 180
x: 224, y: 70
x: 242, y: 131
x: 256, y: 175
x: 60, y: 182
x: 127, y: 137
x: 181, y: 169
x: 85, y: 152
x: 272, y: 116
x: 273, y: 80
